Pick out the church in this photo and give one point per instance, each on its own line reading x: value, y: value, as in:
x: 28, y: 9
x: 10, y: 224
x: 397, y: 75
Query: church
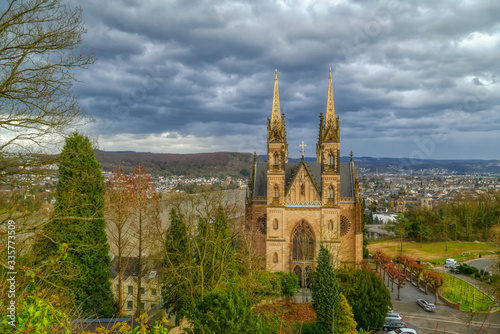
x: 300, y: 205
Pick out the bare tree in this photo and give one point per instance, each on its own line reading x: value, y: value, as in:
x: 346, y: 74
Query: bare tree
x: 146, y: 220
x: 119, y: 210
x: 37, y: 74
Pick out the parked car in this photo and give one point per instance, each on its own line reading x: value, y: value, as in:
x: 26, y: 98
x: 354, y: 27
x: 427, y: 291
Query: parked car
x: 393, y: 316
x: 428, y: 306
x: 454, y: 271
x: 450, y: 263
x: 404, y: 330
x: 392, y: 325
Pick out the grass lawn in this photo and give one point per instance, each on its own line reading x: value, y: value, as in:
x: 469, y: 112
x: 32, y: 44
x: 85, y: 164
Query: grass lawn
x: 433, y: 251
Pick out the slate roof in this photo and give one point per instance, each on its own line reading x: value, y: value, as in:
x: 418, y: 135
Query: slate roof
x: 260, y: 183
x: 346, y: 181
x: 131, y: 267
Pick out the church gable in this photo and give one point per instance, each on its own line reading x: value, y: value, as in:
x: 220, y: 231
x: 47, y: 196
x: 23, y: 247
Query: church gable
x: 302, y: 189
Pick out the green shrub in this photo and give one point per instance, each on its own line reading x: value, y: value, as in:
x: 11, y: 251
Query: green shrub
x: 468, y: 270
x: 228, y: 310
x: 289, y: 284
x: 268, y: 284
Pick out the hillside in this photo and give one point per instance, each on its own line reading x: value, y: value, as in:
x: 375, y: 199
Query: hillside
x: 223, y: 164
x: 391, y: 165
x: 218, y: 164
x: 398, y: 165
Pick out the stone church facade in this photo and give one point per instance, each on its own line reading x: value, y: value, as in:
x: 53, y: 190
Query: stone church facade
x: 300, y: 205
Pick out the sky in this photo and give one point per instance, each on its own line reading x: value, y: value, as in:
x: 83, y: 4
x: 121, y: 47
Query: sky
x: 411, y: 79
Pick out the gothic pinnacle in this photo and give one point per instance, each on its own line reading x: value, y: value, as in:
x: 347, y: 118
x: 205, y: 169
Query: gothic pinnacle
x: 330, y: 106
x: 276, y: 114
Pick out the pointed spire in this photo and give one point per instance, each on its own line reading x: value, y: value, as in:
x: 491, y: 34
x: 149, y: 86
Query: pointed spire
x: 330, y: 107
x: 276, y: 114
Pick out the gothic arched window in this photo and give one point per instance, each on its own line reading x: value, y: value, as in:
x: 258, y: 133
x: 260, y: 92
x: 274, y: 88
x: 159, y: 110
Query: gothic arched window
x: 331, y: 160
x: 331, y: 194
x: 275, y: 224
x: 330, y: 225
x: 276, y: 160
x: 275, y: 257
x: 303, y: 242
x: 276, y: 196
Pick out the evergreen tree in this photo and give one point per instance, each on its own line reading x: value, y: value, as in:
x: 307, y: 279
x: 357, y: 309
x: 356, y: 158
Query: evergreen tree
x: 366, y: 293
x: 79, y: 224
x: 179, y: 284
x: 345, y: 321
x: 325, y: 292
x: 176, y: 243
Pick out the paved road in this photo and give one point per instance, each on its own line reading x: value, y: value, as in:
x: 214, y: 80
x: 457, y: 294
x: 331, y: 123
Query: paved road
x: 485, y: 264
x: 445, y: 319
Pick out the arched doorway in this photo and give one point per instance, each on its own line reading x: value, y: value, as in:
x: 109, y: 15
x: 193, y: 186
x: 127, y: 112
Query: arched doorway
x: 298, y: 271
x: 303, y: 249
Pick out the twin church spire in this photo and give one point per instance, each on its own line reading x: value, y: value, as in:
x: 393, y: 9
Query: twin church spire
x: 329, y: 123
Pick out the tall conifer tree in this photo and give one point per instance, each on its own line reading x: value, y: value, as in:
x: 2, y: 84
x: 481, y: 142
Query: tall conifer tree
x: 325, y: 292
x: 78, y: 223
x: 179, y: 284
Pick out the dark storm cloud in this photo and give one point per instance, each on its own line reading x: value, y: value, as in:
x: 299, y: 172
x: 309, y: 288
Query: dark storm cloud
x: 192, y: 76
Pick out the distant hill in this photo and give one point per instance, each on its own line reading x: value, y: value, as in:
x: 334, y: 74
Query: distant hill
x: 466, y: 166
x: 218, y: 164
x: 234, y: 164
x: 394, y: 165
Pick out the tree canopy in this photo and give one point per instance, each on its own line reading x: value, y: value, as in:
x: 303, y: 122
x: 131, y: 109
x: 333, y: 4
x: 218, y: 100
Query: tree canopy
x: 367, y: 295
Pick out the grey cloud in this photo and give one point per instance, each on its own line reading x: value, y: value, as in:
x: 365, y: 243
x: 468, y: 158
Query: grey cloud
x: 206, y: 69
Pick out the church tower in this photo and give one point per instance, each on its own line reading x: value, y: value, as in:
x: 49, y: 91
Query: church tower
x: 277, y: 157
x: 277, y: 151
x: 328, y: 155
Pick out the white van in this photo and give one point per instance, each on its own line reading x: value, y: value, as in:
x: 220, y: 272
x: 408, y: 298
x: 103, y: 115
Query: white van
x: 450, y: 263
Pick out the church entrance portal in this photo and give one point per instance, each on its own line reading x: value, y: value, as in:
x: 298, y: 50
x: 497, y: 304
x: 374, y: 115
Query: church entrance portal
x: 303, y: 246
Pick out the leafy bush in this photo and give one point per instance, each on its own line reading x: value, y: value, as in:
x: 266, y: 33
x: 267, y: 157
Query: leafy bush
x: 468, y: 270
x: 227, y: 310
x: 263, y: 284
x: 38, y: 313
x: 289, y: 284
